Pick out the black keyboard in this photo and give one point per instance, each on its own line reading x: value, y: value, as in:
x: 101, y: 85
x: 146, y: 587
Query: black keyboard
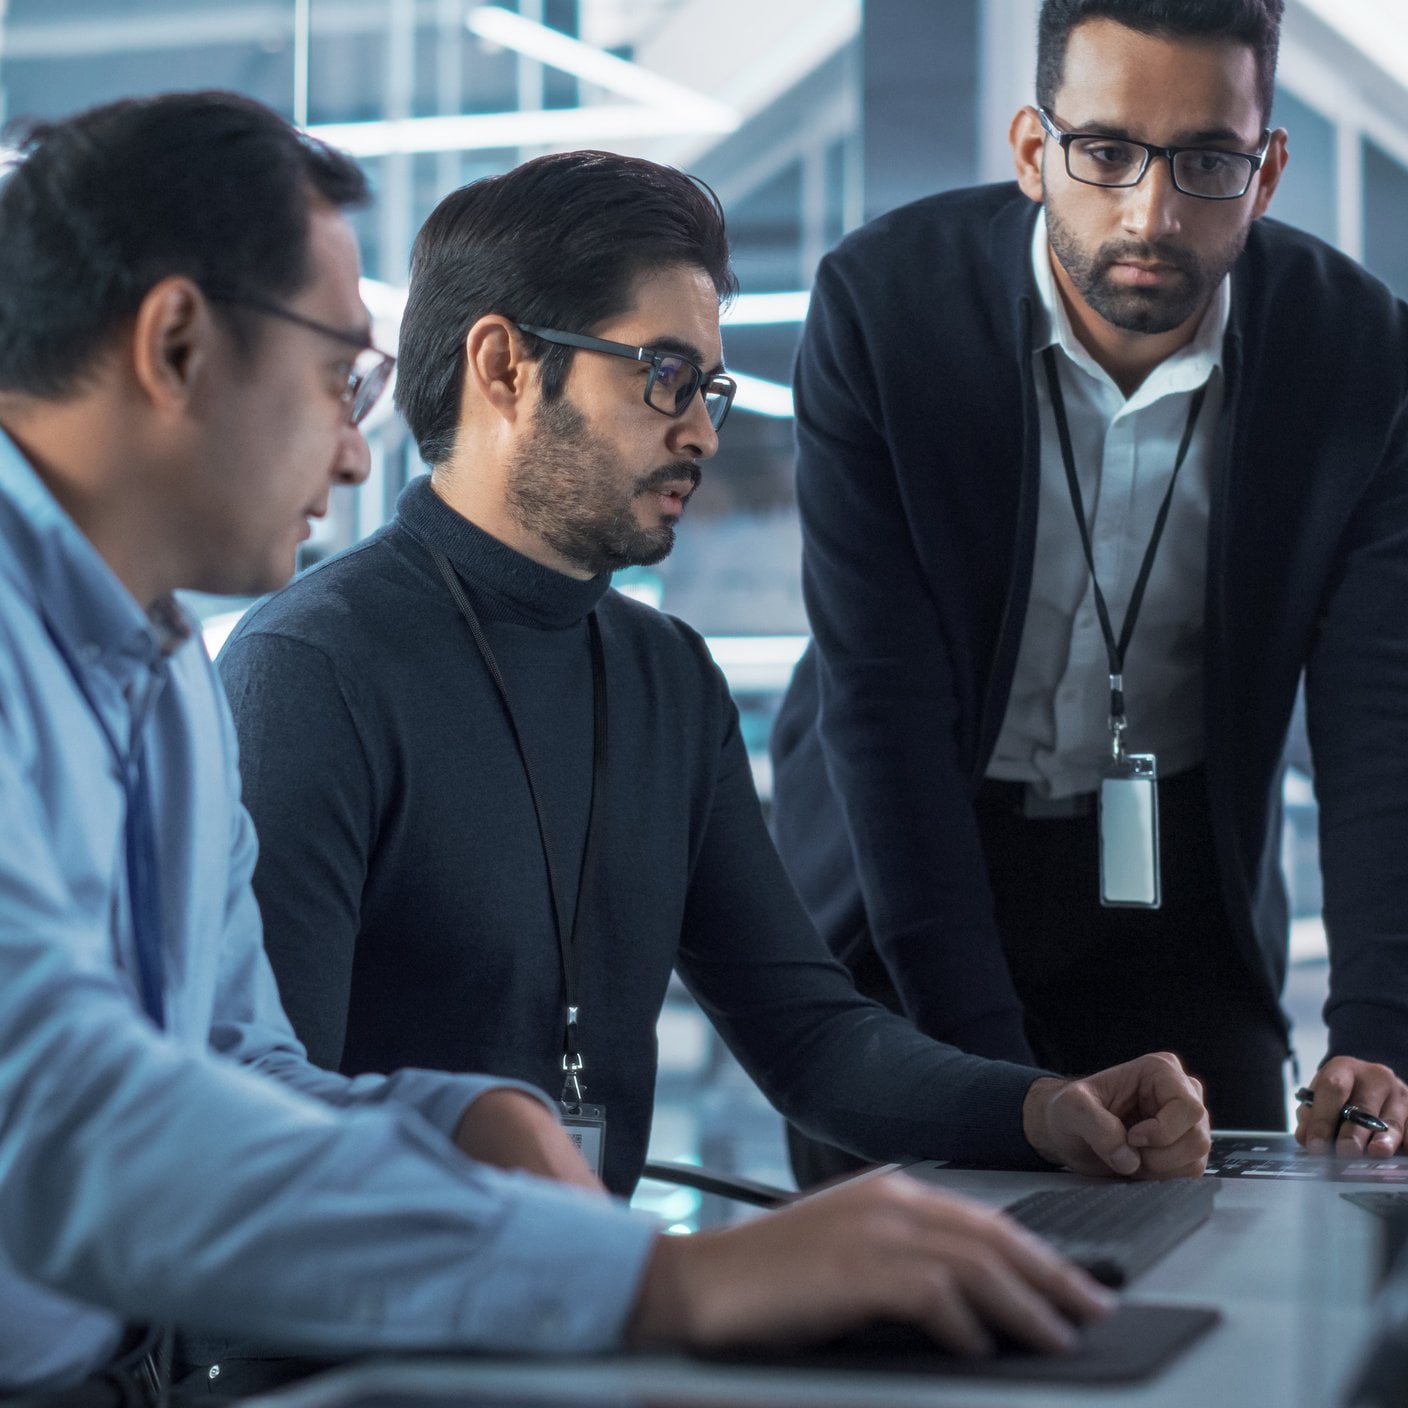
x: 1115, y: 1230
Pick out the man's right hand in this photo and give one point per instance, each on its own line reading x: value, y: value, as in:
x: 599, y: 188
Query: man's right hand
x: 884, y: 1247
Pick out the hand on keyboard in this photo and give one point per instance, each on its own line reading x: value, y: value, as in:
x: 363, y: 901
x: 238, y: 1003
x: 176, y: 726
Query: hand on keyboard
x: 884, y: 1247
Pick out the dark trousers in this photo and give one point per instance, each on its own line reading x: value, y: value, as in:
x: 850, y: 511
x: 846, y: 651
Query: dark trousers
x: 1100, y: 986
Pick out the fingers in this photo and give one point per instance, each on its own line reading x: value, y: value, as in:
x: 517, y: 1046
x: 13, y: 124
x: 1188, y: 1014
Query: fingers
x: 978, y: 1276
x: 1184, y: 1157
x: 1367, y: 1087
x: 882, y: 1248
x: 1176, y: 1142
x: 1141, y: 1119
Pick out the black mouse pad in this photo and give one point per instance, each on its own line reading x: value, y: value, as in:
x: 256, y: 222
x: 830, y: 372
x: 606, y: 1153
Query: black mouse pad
x: 1133, y: 1343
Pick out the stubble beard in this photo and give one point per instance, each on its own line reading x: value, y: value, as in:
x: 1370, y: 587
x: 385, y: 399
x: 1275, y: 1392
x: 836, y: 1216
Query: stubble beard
x: 1143, y: 310
x: 564, y: 488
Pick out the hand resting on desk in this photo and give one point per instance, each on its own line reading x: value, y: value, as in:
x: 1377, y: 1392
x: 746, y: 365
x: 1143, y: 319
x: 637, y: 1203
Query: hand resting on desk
x: 1142, y: 1119
x: 1374, y: 1089
x: 875, y: 1248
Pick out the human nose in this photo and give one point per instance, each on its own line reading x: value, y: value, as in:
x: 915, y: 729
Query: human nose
x: 692, y: 434
x: 1151, y: 207
x: 353, y: 460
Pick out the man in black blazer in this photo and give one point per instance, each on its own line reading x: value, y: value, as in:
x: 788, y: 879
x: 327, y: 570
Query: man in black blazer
x: 943, y: 747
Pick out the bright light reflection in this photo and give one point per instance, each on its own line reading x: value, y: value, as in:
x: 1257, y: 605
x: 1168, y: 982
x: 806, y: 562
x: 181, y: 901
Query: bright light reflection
x: 587, y: 62
x: 488, y: 131
x: 764, y: 309
x: 762, y: 397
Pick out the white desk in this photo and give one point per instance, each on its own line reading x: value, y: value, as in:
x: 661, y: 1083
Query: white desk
x: 1288, y: 1263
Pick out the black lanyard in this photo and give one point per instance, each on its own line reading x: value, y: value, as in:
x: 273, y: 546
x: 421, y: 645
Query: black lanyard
x: 572, y: 1063
x: 139, y: 846
x: 1115, y: 649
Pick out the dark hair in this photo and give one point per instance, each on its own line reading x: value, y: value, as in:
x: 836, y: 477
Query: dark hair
x: 558, y: 242
x: 104, y: 205
x: 1255, y: 23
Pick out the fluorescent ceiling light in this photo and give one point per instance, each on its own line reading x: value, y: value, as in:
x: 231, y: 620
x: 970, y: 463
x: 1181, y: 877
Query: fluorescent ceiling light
x: 763, y: 398
x: 596, y: 66
x: 765, y: 309
x: 486, y: 131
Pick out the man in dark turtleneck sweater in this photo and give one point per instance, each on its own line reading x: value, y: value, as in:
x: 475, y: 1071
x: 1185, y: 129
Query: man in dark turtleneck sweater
x: 418, y: 724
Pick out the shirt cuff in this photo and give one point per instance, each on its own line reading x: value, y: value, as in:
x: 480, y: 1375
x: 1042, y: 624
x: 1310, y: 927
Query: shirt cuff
x: 567, y: 1270
x: 441, y: 1099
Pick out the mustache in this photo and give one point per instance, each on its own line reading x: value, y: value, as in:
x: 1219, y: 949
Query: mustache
x: 1158, y: 252
x: 670, y: 474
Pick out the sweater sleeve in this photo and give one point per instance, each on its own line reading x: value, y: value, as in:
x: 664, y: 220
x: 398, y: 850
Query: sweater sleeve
x: 840, y: 1066
x: 310, y: 787
x: 1356, y: 684
x: 887, y: 705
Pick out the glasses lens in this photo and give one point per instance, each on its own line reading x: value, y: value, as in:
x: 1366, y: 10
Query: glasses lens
x: 1213, y: 174
x: 1105, y: 161
x: 673, y: 385
x: 718, y: 397
x: 368, y: 380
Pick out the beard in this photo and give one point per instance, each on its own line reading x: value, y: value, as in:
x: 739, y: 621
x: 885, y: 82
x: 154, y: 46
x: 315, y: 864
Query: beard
x: 564, y: 487
x: 1146, y: 310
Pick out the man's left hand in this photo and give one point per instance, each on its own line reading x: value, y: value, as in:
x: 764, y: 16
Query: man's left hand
x: 1142, y: 1119
x: 1371, y: 1088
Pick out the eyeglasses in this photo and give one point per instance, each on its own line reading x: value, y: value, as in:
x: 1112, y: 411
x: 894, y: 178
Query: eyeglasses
x: 1206, y: 172
x: 371, y: 371
x: 673, y: 379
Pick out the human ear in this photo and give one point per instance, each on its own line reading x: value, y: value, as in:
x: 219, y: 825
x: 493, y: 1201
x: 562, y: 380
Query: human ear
x: 497, y: 370
x: 1269, y: 176
x: 1027, y: 138
x: 170, y: 340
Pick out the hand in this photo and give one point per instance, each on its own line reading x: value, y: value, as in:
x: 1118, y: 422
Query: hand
x: 512, y: 1130
x: 1345, y: 1081
x: 882, y: 1247
x: 1143, y: 1119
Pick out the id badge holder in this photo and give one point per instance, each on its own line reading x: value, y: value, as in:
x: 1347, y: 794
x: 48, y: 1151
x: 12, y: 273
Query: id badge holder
x: 585, y: 1124
x: 586, y: 1128
x: 1129, y: 833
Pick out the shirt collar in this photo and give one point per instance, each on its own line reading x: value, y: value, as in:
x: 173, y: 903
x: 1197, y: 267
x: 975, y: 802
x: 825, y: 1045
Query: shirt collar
x: 66, y: 580
x: 1186, y: 370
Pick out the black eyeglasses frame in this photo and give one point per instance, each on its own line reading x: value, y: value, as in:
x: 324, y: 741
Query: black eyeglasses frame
x: 723, y: 388
x: 363, y: 389
x: 1063, y: 139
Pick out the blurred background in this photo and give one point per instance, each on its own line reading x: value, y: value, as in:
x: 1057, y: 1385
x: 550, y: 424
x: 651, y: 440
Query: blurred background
x: 807, y: 117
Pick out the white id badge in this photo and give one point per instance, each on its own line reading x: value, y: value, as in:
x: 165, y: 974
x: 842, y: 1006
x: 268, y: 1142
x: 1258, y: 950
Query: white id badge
x: 1129, y: 834
x: 586, y: 1127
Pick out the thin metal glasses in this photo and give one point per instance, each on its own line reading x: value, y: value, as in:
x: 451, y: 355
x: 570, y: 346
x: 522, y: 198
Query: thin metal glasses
x: 673, y: 379
x: 370, y: 373
x: 1209, y: 173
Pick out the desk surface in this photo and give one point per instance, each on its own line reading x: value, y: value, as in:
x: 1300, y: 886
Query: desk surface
x: 1288, y: 1262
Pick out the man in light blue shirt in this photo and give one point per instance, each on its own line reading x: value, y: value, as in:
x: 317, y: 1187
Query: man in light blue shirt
x: 139, y: 1177
x: 183, y: 360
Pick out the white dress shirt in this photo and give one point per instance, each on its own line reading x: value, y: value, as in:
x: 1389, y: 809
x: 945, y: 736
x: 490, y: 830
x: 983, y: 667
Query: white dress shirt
x: 1055, y: 734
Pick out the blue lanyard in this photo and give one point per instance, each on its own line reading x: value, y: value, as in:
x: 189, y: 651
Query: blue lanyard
x: 139, y: 847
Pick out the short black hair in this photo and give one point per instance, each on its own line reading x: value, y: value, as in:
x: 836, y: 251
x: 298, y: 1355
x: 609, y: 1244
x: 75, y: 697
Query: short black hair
x: 558, y: 242
x: 102, y: 206
x: 1255, y: 23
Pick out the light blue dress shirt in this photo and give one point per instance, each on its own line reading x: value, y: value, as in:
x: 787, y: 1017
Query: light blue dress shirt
x: 202, y: 1175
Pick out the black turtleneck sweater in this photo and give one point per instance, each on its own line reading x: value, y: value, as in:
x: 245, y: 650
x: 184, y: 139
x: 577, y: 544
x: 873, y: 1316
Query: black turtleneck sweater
x: 401, y: 873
